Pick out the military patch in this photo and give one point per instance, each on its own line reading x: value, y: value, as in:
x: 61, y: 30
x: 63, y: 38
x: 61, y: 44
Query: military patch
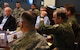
x: 56, y: 25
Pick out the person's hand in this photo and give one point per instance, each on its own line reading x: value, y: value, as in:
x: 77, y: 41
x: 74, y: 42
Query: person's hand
x: 43, y: 13
x: 41, y: 19
x: 15, y: 36
x: 36, y: 28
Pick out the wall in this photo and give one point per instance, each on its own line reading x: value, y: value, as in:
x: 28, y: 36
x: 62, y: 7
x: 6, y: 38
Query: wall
x: 24, y: 3
x: 49, y: 2
x: 75, y: 2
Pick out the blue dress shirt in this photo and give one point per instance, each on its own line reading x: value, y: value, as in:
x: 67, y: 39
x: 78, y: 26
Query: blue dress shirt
x: 46, y: 21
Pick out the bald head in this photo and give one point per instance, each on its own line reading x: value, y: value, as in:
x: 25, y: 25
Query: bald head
x: 7, y: 11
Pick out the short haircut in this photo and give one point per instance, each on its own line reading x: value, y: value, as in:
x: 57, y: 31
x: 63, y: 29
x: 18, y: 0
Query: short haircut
x: 61, y: 13
x: 17, y: 2
x: 29, y: 17
x: 34, y: 5
x: 70, y: 7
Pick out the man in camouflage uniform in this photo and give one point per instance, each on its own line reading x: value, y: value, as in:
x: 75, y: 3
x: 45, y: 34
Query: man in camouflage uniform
x: 2, y: 10
x: 30, y: 40
x: 70, y: 12
x: 17, y: 11
x: 62, y: 33
x: 34, y: 9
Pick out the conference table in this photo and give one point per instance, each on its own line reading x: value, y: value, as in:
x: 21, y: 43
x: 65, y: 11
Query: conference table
x: 6, y: 40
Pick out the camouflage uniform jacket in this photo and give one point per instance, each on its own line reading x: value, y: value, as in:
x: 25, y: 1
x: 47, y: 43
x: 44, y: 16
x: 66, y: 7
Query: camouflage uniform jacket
x: 74, y: 24
x: 35, y: 11
x: 30, y: 41
x: 17, y: 12
x: 63, y: 36
x: 72, y: 20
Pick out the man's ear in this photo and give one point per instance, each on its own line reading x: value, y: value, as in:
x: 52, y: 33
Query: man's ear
x: 69, y: 12
x: 21, y: 25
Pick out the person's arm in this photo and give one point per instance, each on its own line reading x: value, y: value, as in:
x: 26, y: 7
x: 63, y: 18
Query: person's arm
x: 47, y: 21
x: 13, y: 25
x: 37, y: 23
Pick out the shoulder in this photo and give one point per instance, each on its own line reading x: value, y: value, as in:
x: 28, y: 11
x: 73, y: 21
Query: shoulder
x: 11, y: 17
x: 21, y: 8
x: 38, y: 16
x: 36, y: 10
x: 15, y: 9
x: 46, y: 17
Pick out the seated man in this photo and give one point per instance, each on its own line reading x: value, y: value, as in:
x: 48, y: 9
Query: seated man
x: 17, y: 11
x: 62, y: 32
x: 43, y: 15
x: 34, y: 9
x: 7, y: 21
x: 30, y: 39
x: 72, y: 21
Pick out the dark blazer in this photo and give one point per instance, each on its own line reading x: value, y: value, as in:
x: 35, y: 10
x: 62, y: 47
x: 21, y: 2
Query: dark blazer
x: 10, y: 23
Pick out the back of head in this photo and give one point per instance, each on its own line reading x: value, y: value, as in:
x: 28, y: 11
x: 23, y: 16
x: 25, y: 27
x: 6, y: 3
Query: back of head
x: 70, y: 7
x: 34, y: 5
x: 28, y: 17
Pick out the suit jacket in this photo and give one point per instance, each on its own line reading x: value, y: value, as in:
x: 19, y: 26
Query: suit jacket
x: 10, y: 23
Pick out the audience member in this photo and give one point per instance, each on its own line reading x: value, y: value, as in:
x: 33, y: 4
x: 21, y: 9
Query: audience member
x: 70, y: 12
x: 17, y: 11
x: 7, y: 21
x: 43, y: 14
x: 63, y: 36
x: 30, y: 40
x: 34, y: 9
x: 6, y: 4
x: 2, y: 10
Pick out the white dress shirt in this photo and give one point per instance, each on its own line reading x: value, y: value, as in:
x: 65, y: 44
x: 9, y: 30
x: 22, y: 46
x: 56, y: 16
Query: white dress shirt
x: 3, y: 22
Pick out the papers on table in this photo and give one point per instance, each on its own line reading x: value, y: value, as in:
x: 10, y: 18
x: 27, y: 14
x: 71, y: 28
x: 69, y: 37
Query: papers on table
x: 19, y: 34
x: 2, y: 35
x: 10, y: 38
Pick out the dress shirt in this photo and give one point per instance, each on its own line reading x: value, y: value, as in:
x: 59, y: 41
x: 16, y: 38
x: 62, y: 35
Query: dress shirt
x: 46, y: 21
x: 3, y: 22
